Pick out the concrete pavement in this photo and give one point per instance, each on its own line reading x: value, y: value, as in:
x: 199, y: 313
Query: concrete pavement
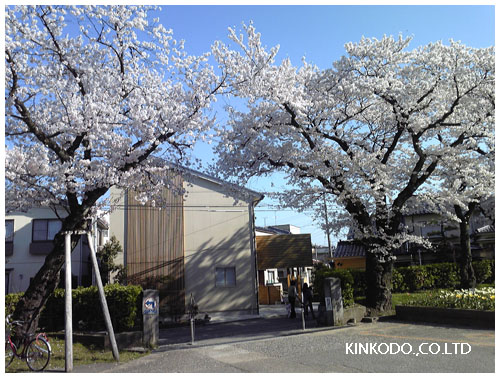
x: 277, y: 344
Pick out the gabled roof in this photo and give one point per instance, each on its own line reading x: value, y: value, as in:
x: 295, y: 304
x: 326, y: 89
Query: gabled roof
x: 272, y: 230
x: 355, y: 249
x: 349, y: 249
x: 230, y: 187
x: 486, y: 229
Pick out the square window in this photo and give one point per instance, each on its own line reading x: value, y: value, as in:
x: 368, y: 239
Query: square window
x: 225, y: 277
x: 220, y: 277
x: 45, y: 229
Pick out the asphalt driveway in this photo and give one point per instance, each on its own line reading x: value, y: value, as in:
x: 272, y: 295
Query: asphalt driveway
x: 279, y: 345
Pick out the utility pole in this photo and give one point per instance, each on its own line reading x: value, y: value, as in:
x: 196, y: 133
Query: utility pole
x: 327, y: 227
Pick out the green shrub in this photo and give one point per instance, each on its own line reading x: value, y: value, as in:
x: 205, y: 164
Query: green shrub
x: 484, y: 271
x: 398, y: 282
x: 444, y: 275
x: 346, y: 284
x: 416, y: 278
x: 359, y: 285
x: 124, y: 304
x: 52, y: 316
x: 410, y: 278
x: 491, y: 280
x: 11, y: 302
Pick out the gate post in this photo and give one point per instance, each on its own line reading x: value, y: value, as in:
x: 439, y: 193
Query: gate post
x: 333, y: 301
x: 150, y: 318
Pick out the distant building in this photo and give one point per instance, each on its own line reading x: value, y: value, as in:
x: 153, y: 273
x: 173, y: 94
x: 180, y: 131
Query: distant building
x: 321, y: 254
x: 29, y: 238
x: 283, y: 253
x: 443, y: 234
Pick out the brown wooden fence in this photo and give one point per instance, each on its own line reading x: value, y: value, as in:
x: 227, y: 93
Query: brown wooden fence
x: 269, y: 295
x: 155, y: 244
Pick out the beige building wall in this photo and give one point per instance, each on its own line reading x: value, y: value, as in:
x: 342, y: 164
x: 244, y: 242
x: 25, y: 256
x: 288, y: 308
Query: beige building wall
x: 117, y: 221
x: 218, y: 234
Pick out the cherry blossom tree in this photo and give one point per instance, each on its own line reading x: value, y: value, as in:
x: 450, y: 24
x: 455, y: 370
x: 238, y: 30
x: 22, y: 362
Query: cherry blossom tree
x: 370, y: 131
x: 464, y: 186
x: 92, y: 95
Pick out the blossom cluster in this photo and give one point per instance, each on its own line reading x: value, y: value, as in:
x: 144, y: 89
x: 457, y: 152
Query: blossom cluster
x: 473, y: 299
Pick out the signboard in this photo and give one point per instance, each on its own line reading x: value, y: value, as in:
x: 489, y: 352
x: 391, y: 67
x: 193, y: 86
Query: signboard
x: 328, y: 302
x: 150, y: 306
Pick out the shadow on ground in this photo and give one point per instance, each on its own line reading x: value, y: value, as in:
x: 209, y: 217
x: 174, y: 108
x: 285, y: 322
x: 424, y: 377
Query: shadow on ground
x: 216, y: 333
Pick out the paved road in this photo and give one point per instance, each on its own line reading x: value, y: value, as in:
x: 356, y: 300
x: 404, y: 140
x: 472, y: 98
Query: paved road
x: 279, y: 345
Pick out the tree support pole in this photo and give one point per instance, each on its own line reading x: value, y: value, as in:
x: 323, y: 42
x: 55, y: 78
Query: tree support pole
x: 102, y: 297
x: 68, y: 335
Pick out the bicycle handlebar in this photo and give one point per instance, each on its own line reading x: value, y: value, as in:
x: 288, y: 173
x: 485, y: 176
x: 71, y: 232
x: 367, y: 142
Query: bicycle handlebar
x: 13, y: 322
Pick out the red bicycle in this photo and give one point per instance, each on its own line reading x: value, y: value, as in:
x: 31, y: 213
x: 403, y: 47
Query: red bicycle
x: 36, y: 349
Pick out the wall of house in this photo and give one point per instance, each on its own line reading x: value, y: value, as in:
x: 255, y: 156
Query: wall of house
x: 22, y: 265
x: 218, y: 234
x: 117, y: 221
x: 350, y: 262
x: 430, y: 225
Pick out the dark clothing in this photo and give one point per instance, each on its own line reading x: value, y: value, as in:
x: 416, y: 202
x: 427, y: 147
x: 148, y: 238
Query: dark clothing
x: 308, y: 302
x: 292, y: 293
x: 293, y: 314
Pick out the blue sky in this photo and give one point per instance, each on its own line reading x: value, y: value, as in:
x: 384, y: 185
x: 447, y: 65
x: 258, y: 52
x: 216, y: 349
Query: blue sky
x: 319, y: 33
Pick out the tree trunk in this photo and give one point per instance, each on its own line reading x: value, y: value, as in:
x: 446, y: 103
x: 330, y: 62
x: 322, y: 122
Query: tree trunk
x: 467, y: 275
x: 378, y: 282
x: 44, y: 283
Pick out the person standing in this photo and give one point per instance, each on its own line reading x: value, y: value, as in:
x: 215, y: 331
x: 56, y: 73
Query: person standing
x: 308, y: 299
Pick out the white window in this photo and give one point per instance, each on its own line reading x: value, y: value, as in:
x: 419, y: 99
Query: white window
x: 45, y: 229
x: 270, y: 277
x: 225, y: 277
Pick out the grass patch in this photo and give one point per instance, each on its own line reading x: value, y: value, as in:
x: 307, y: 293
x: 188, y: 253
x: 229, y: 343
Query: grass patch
x: 479, y: 299
x: 430, y: 298
x: 82, y: 355
x: 401, y: 299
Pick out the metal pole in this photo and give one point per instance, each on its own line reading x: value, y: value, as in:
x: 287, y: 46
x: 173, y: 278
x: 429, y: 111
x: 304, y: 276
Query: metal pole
x: 68, y: 321
x: 192, y: 305
x: 102, y: 297
x: 303, y: 317
x: 192, y: 331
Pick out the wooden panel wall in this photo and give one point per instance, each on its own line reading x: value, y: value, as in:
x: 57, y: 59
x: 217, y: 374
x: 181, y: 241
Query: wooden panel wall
x: 155, y: 245
x: 284, y: 251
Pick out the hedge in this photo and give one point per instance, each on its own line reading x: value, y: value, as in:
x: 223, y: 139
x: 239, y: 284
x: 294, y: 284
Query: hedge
x: 124, y: 303
x: 346, y: 284
x: 405, y: 279
x: 484, y: 270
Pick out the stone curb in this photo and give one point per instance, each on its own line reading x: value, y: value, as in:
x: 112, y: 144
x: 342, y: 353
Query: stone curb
x: 450, y: 316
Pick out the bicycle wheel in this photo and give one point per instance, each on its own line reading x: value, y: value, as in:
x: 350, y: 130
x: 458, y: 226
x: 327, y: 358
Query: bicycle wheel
x: 9, y: 353
x: 38, y: 354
